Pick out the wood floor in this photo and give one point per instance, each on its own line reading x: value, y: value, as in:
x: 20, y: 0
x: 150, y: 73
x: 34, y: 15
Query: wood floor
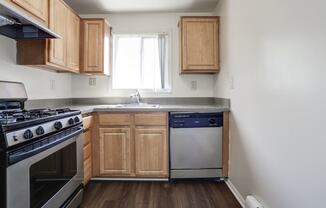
x: 159, y: 195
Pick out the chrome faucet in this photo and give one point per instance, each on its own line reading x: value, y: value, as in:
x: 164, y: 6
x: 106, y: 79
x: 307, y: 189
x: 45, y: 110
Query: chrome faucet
x: 136, y: 96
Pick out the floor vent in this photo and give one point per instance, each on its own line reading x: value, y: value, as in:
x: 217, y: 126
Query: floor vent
x: 251, y: 202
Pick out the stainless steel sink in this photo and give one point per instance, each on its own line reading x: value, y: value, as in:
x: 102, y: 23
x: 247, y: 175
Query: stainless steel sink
x: 134, y: 105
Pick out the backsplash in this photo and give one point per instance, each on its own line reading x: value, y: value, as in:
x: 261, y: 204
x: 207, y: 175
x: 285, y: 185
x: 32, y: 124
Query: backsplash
x: 40, y: 84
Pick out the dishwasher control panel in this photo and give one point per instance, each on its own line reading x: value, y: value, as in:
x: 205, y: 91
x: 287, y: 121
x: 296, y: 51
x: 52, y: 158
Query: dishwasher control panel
x: 195, y: 120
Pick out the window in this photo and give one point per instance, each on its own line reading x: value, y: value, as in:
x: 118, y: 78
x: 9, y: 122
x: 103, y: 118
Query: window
x: 141, y: 62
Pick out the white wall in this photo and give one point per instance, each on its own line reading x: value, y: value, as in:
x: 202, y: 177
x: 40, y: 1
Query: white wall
x: 147, y: 23
x: 275, y: 51
x: 37, y: 81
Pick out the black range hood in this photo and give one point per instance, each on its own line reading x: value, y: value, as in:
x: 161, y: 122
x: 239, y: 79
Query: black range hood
x: 17, y: 25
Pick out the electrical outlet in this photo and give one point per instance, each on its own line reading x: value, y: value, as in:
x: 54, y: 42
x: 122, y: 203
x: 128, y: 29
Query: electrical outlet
x: 193, y: 85
x: 92, y: 81
x: 52, y: 84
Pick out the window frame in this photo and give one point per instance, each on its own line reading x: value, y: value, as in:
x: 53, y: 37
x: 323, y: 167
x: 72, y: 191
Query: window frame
x: 168, y: 73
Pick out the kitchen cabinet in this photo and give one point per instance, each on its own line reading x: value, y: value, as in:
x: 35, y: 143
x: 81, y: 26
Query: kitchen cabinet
x: 73, y: 41
x: 131, y: 145
x: 226, y: 144
x: 96, y: 35
x: 199, y: 44
x: 54, y: 54
x: 87, y: 150
x: 115, y: 119
x: 151, y: 152
x: 58, y: 23
x: 115, y: 151
x: 151, y: 119
x: 38, y: 8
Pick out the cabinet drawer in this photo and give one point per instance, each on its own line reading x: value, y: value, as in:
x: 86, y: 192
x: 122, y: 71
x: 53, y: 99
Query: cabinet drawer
x: 87, y: 122
x: 119, y: 119
x: 151, y: 119
x: 87, y: 151
x: 87, y: 137
x: 87, y: 170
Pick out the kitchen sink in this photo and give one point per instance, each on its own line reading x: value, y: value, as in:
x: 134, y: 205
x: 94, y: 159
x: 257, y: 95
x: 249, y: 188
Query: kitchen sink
x: 134, y: 105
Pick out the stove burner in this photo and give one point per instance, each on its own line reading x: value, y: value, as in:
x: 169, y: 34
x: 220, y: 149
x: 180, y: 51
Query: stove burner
x: 6, y: 119
x: 18, y: 115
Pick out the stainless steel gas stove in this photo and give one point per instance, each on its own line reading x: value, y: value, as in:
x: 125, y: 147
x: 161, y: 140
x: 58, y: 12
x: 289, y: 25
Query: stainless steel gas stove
x: 40, y: 153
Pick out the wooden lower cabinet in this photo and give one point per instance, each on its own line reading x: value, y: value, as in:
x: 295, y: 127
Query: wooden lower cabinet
x: 151, y: 152
x: 87, y: 150
x: 87, y: 170
x: 129, y: 145
x: 115, y: 151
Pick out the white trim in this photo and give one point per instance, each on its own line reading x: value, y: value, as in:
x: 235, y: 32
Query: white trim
x: 235, y: 192
x: 129, y: 179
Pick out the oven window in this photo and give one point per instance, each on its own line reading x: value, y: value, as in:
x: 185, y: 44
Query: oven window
x: 50, y: 174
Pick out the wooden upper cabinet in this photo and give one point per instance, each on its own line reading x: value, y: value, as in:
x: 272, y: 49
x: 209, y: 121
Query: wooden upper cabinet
x: 73, y: 41
x: 95, y: 46
x: 199, y: 39
x: 115, y: 151
x: 38, y: 8
x: 55, y: 54
x: 58, y: 23
x: 151, y: 152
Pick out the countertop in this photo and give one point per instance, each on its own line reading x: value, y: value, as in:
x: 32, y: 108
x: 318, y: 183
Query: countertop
x: 162, y: 108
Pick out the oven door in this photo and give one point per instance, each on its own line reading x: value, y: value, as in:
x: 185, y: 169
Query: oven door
x: 46, y: 178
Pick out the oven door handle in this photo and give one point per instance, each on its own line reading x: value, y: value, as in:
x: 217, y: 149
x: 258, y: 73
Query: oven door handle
x: 21, y: 156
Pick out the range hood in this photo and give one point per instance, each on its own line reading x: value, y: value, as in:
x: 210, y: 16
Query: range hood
x: 17, y: 25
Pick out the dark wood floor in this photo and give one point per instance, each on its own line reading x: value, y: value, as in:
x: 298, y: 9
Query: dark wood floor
x: 159, y: 195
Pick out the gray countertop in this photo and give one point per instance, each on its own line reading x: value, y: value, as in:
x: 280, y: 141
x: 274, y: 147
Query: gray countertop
x: 168, y: 104
x: 162, y: 108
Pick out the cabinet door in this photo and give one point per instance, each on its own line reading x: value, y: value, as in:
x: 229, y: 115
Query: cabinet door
x: 151, y: 152
x: 87, y: 170
x: 87, y: 150
x: 58, y: 23
x: 39, y: 8
x: 93, y: 45
x: 199, y: 44
x: 73, y: 34
x: 115, y: 151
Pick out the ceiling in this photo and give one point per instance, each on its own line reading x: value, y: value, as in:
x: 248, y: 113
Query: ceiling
x: 114, y: 6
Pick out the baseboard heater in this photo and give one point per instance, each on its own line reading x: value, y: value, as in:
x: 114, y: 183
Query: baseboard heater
x: 252, y: 202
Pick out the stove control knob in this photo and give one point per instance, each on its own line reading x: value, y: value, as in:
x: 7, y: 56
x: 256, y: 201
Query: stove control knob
x: 40, y: 130
x: 71, y: 121
x: 58, y: 125
x: 77, y: 119
x: 212, y: 121
x: 28, y: 134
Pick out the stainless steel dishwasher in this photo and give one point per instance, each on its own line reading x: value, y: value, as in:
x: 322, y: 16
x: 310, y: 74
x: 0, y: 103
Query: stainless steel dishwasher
x: 196, y: 145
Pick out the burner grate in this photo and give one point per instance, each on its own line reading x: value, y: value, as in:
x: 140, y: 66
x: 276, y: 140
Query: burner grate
x: 18, y: 115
